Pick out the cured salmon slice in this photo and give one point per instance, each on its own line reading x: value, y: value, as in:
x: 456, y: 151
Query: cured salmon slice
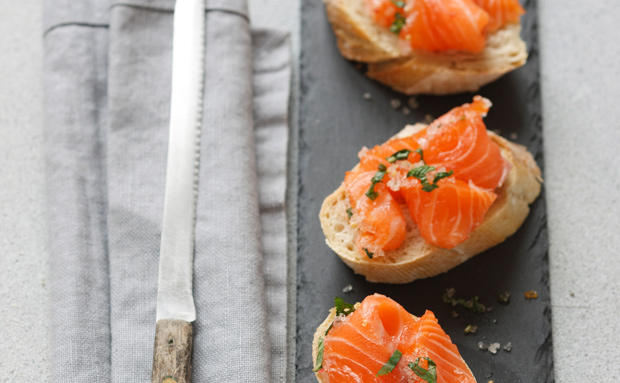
x: 445, y: 25
x: 458, y: 140
x: 446, y: 174
x: 358, y: 346
x: 447, y: 215
x: 382, y: 225
x: 501, y: 12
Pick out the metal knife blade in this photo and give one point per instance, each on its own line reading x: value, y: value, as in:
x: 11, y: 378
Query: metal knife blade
x: 174, y: 294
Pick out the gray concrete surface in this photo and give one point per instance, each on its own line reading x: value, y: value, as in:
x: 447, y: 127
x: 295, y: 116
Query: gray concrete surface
x: 580, y: 65
x: 24, y: 348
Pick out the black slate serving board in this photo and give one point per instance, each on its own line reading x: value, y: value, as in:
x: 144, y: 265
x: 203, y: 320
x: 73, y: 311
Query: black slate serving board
x: 335, y: 122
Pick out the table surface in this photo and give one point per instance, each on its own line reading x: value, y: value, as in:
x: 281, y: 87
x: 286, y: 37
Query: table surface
x: 580, y: 60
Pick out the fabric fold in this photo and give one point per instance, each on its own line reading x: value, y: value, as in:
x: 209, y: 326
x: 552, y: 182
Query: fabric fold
x: 111, y: 162
x: 75, y: 65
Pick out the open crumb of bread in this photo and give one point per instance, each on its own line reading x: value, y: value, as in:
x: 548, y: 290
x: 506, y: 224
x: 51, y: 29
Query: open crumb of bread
x: 394, y: 63
x: 415, y: 258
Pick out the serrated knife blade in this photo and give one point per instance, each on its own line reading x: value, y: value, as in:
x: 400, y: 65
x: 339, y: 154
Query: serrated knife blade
x: 175, y: 302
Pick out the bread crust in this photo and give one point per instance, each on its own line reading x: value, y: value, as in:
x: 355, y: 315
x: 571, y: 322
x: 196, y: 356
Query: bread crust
x: 394, y: 63
x: 416, y: 258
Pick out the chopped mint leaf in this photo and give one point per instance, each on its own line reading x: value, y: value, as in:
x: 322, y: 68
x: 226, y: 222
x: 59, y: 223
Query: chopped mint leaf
x: 399, y: 155
x: 319, y: 355
x: 342, y: 307
x: 429, y: 375
x: 441, y: 175
x: 398, y: 24
x: 390, y: 364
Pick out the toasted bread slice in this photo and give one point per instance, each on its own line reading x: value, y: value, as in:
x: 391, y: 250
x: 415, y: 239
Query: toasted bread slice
x: 395, y: 64
x: 318, y: 334
x: 416, y: 258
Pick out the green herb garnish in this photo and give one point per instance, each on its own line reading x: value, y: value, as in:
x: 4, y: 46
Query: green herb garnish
x: 429, y: 187
x: 368, y: 253
x: 441, y: 175
x: 398, y: 24
x: 371, y: 193
x: 399, y: 155
x: 350, y: 213
x: 390, y: 364
x: 399, y: 3
x: 319, y: 355
x: 472, y: 304
x: 420, y: 173
x: 342, y: 307
x: 503, y: 298
x: 430, y: 374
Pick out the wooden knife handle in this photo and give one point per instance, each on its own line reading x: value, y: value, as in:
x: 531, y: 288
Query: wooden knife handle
x: 172, y: 354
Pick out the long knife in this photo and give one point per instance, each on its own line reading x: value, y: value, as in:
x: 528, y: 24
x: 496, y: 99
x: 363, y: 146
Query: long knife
x: 172, y: 354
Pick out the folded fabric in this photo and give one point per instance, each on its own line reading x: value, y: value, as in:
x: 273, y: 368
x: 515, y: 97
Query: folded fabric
x: 107, y: 84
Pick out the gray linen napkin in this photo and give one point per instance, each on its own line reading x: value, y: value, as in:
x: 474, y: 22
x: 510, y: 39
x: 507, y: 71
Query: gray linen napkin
x: 107, y: 83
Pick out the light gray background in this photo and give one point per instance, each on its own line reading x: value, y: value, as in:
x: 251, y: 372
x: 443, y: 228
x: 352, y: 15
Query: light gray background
x: 580, y: 65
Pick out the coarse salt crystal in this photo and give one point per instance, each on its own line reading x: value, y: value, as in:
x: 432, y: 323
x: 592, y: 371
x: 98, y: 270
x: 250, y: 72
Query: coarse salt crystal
x: 494, y: 347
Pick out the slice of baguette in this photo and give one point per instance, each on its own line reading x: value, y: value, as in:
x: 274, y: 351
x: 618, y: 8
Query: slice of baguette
x: 416, y: 258
x: 395, y: 64
x: 320, y: 332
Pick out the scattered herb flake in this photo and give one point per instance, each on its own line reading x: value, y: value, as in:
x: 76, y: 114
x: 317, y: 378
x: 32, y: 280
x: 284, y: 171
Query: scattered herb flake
x: 342, y: 307
x: 350, y: 213
x: 368, y: 253
x: 398, y: 24
x: 448, y: 295
x: 472, y: 304
x: 399, y: 3
x: 398, y: 156
x: 429, y: 375
x: 532, y: 294
x: 390, y: 364
x: 503, y: 298
x: 470, y: 329
x: 319, y: 355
